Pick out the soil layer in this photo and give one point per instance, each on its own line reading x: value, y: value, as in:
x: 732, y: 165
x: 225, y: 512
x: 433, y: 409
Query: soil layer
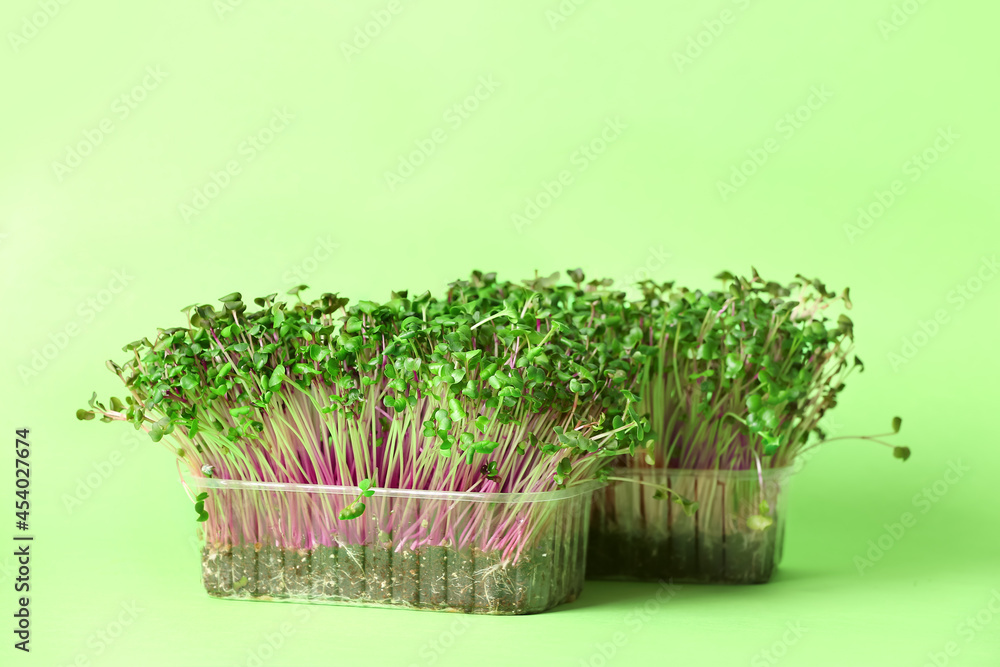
x: 437, y: 577
x: 684, y: 557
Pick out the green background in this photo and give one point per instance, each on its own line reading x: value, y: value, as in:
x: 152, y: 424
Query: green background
x: 99, y: 252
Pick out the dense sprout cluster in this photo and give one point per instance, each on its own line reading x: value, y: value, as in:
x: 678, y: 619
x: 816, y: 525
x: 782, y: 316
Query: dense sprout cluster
x: 496, y: 387
x: 744, y: 375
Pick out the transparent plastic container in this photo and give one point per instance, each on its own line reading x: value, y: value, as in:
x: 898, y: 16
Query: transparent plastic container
x: 480, y: 553
x: 637, y: 537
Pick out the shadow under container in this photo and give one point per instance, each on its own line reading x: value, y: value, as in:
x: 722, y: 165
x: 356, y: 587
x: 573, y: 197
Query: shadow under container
x: 636, y: 537
x: 480, y: 553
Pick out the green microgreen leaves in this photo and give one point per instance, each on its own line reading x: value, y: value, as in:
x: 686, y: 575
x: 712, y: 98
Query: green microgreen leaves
x: 357, y: 508
x: 493, y: 371
x: 276, y: 378
x: 492, y: 386
x: 489, y: 470
x: 482, y: 423
x: 745, y: 374
x: 563, y: 470
x: 689, y: 507
x: 352, y: 511
x: 199, y: 506
x: 770, y: 443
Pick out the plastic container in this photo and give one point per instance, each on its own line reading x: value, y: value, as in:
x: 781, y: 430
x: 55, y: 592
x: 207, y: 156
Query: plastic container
x: 634, y: 536
x: 480, y: 553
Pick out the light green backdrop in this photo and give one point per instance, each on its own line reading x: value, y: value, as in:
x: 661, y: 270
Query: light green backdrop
x: 155, y: 156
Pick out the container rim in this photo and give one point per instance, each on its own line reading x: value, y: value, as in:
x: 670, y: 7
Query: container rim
x: 752, y: 473
x: 573, y: 491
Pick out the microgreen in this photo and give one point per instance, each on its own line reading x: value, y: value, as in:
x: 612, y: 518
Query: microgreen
x: 743, y: 376
x: 495, y: 387
x: 740, y: 378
